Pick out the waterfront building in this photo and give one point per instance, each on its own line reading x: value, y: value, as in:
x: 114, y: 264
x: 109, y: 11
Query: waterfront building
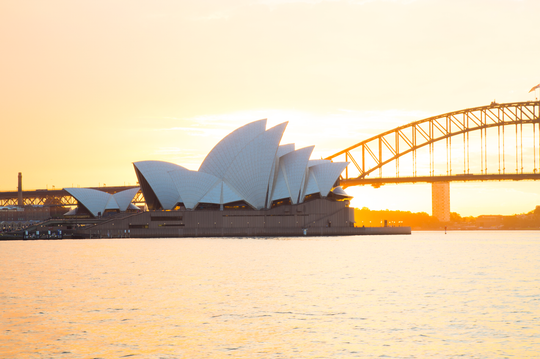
x: 248, y: 185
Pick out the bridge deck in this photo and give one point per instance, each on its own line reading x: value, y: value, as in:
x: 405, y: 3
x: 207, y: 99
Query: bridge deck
x: 53, y: 197
x: 379, y: 181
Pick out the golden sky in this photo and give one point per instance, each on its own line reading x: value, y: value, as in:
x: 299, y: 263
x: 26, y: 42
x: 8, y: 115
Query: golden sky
x: 88, y: 87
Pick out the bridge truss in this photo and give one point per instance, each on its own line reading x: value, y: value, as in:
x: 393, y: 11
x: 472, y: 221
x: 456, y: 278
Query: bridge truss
x: 482, y: 142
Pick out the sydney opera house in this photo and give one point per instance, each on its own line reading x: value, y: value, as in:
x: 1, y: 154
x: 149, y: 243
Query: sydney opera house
x: 248, y: 185
x: 247, y: 169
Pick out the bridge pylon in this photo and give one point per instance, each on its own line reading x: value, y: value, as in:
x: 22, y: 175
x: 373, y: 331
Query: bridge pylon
x: 440, y: 201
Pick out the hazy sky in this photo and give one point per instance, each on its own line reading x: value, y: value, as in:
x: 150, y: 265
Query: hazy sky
x: 88, y: 87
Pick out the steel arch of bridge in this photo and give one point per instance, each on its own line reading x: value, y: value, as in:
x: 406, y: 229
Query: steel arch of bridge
x: 391, y: 145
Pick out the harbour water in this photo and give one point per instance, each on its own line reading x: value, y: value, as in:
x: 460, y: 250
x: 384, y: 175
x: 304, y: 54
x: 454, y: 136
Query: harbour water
x: 463, y: 294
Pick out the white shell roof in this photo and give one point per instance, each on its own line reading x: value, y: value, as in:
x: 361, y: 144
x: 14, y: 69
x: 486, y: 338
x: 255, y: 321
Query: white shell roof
x: 229, y: 195
x: 247, y: 165
x: 312, y: 186
x: 156, y: 174
x: 192, y: 185
x: 280, y: 189
x: 282, y: 150
x: 71, y: 212
x: 95, y: 201
x: 294, y: 164
x: 213, y: 195
x: 327, y: 174
x: 292, y: 169
x: 133, y: 207
x: 339, y: 191
x: 111, y: 203
x: 249, y: 173
x: 220, y: 158
x: 124, y: 198
x: 98, y: 201
x: 220, y: 193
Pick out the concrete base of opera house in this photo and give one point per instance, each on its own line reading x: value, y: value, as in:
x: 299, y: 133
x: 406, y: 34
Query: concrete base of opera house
x: 247, y: 232
x: 318, y: 217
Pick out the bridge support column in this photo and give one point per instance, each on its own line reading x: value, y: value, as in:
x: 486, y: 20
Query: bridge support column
x: 440, y: 201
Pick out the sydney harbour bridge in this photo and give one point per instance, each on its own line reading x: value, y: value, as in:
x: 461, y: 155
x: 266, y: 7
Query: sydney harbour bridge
x: 497, y: 142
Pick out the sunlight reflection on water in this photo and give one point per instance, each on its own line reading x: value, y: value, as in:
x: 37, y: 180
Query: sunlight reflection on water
x: 470, y: 294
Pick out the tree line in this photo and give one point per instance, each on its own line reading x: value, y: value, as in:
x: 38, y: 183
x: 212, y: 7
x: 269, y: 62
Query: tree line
x: 423, y: 221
